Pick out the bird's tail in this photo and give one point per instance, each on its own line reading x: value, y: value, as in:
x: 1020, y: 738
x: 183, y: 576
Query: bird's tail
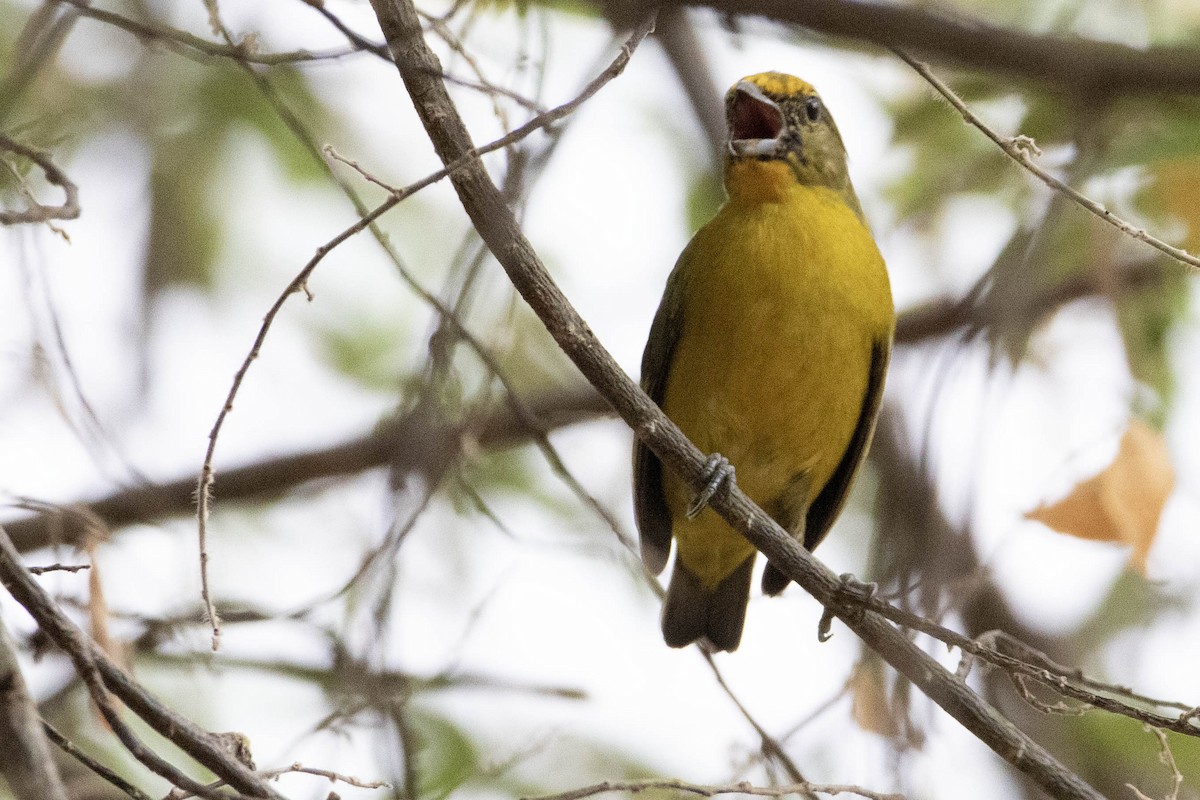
x: 693, y: 612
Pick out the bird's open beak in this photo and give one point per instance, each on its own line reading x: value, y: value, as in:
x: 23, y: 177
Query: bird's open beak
x: 756, y: 124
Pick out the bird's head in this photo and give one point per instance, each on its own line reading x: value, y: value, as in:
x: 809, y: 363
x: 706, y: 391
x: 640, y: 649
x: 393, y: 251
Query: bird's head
x: 780, y: 118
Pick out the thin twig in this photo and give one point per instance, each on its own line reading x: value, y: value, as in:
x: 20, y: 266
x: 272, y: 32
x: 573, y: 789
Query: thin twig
x: 1075, y: 675
x: 297, y: 767
x: 178, y: 39
x: 59, y: 568
x: 101, y: 675
x: 704, y: 790
x: 1022, y: 150
x: 486, y: 207
x: 68, y: 747
x: 356, y: 39
x: 771, y: 748
x: 1021, y: 684
x: 324, y: 773
x: 1167, y: 759
x: 69, y: 209
x: 1063, y: 680
x: 300, y: 283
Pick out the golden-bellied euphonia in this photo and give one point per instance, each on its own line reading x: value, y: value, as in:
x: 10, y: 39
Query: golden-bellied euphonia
x: 769, y: 348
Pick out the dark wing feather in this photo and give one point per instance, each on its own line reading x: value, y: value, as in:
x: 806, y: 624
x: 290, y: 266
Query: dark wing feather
x: 825, y: 509
x: 649, y: 504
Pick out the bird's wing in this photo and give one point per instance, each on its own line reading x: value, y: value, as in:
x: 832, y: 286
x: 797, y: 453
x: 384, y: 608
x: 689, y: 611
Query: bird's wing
x: 829, y: 502
x: 825, y: 508
x: 649, y: 503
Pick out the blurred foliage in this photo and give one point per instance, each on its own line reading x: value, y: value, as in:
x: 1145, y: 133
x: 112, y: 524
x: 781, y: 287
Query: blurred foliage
x: 366, y: 348
x: 444, y: 757
x: 1092, y: 142
x: 220, y: 101
x: 1147, y: 320
x: 947, y: 157
x: 508, y: 473
x: 1123, y: 749
x: 1132, y: 603
x: 181, y: 117
x: 184, y: 115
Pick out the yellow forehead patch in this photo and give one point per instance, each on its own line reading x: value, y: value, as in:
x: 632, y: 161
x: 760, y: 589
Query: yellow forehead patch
x: 779, y: 84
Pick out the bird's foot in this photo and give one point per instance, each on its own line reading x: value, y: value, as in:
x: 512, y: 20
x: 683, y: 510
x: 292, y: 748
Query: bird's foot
x: 717, y: 471
x: 865, y: 590
x: 850, y: 587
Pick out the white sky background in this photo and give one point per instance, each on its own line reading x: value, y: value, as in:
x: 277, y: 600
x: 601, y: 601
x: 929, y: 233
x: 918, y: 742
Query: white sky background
x: 608, y: 218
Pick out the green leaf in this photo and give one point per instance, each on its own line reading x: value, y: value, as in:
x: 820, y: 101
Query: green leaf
x: 947, y: 156
x: 367, y: 349
x: 1116, y: 745
x: 1146, y: 319
x: 1132, y: 602
x: 227, y: 96
x: 445, y: 758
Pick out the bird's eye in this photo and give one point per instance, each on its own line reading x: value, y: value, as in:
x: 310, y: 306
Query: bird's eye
x: 813, y: 109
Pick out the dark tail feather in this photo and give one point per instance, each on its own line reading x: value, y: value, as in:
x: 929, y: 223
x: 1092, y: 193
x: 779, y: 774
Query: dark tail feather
x: 692, y: 612
x: 774, y: 581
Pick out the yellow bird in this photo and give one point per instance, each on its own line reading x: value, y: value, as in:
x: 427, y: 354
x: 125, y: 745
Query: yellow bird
x: 769, y: 349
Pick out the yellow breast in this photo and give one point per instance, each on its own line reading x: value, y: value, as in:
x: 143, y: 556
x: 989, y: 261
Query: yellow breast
x: 783, y: 293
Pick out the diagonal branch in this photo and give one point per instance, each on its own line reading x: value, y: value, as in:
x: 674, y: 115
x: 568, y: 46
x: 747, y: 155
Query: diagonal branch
x: 69, y: 747
x: 367, y: 220
x: 102, y: 676
x: 1022, y: 149
x: 485, y: 205
x: 391, y: 443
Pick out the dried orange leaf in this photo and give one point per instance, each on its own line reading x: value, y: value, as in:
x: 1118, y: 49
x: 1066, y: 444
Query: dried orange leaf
x: 1081, y: 513
x: 1124, y: 502
x: 98, y: 612
x: 869, y: 704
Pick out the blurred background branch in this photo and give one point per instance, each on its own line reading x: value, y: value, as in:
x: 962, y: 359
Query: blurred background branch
x: 391, y: 546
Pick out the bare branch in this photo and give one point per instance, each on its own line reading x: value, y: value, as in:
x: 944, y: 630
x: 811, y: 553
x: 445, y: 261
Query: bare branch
x: 38, y: 212
x: 59, y: 568
x: 101, y: 675
x: 704, y: 790
x: 183, y: 41
x: 771, y: 747
x: 1064, y: 680
x: 388, y: 444
x: 486, y: 207
x: 300, y: 283
x: 68, y: 747
x: 25, y: 754
x: 1022, y: 150
x: 1067, y: 63
x: 333, y: 777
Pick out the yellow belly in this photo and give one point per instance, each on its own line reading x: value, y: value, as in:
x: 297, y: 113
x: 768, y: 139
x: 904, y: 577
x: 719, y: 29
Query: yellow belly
x: 782, y: 301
